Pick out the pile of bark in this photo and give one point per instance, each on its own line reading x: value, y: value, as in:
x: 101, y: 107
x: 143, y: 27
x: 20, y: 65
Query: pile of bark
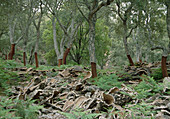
x: 70, y: 90
x: 135, y: 72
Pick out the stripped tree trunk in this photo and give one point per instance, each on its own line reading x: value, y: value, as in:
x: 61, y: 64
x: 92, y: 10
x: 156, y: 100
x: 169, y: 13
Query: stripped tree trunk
x: 59, y: 62
x: 59, y: 54
x: 92, y: 54
x: 36, y: 48
x: 24, y: 58
x: 36, y: 59
x: 12, y: 52
x: 37, y: 26
x: 163, y: 66
x: 6, y: 57
x: 126, y: 44
x: 65, y: 55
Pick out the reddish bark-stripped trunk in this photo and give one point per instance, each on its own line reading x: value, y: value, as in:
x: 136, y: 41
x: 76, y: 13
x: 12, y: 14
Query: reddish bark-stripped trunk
x: 140, y: 60
x: 36, y: 59
x: 65, y: 55
x: 130, y: 60
x: 59, y: 62
x: 6, y: 56
x: 163, y: 66
x: 24, y: 58
x: 12, y: 52
x: 93, y: 68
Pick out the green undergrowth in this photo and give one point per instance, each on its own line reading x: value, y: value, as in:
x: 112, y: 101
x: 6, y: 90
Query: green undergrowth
x: 106, y: 82
x: 18, y: 109
x: 7, y: 77
x: 80, y: 114
x: 148, y: 87
x: 157, y: 74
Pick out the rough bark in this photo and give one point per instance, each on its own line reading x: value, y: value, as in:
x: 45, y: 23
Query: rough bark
x: 12, y: 52
x: 65, y: 55
x: 36, y: 59
x: 24, y: 58
x: 93, y: 69
x: 163, y: 66
x: 59, y: 62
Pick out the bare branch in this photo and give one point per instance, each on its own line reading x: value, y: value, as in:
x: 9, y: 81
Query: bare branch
x: 81, y: 11
x: 119, y: 11
x: 19, y: 39
x: 157, y: 47
x: 131, y: 31
x: 108, y: 2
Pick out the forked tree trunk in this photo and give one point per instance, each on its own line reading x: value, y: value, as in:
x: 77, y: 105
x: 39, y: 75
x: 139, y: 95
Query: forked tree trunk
x: 36, y: 59
x: 24, y: 58
x: 65, y: 55
x: 163, y: 66
x: 93, y: 68
x: 12, y: 52
x: 59, y: 62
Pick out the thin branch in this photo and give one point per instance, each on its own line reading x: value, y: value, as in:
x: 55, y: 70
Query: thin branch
x: 108, y: 2
x: 119, y: 11
x: 157, y: 47
x: 19, y: 39
x: 81, y: 11
x: 131, y: 31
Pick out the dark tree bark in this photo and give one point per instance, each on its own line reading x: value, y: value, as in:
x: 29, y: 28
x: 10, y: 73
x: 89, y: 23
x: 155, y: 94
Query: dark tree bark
x: 163, y: 66
x: 6, y: 56
x: 59, y: 62
x: 36, y: 59
x: 65, y: 55
x: 12, y: 52
x: 93, y: 68
x: 24, y: 58
x: 130, y: 60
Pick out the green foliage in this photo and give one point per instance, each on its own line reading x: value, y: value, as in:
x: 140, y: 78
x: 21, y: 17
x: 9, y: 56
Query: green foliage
x: 142, y: 109
x: 6, y: 112
x: 6, y: 76
x: 106, y: 82
x: 80, y: 114
x: 148, y: 87
x: 27, y: 110
x: 157, y: 74
x: 18, y: 109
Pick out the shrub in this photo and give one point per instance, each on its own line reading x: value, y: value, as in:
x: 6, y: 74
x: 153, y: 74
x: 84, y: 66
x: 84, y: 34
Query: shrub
x: 157, y: 74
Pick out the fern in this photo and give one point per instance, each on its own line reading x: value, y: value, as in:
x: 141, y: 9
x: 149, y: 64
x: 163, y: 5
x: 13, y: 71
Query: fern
x: 148, y: 87
x: 80, y: 114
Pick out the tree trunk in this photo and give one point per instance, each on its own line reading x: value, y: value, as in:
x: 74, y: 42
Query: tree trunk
x: 24, y: 58
x: 59, y: 62
x: 163, y: 66
x: 65, y: 55
x: 6, y: 56
x: 12, y: 52
x: 92, y: 46
x: 130, y: 60
x: 126, y: 44
x: 93, y: 68
x: 36, y: 59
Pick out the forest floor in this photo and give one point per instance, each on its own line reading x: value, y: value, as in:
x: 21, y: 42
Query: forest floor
x: 130, y: 92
